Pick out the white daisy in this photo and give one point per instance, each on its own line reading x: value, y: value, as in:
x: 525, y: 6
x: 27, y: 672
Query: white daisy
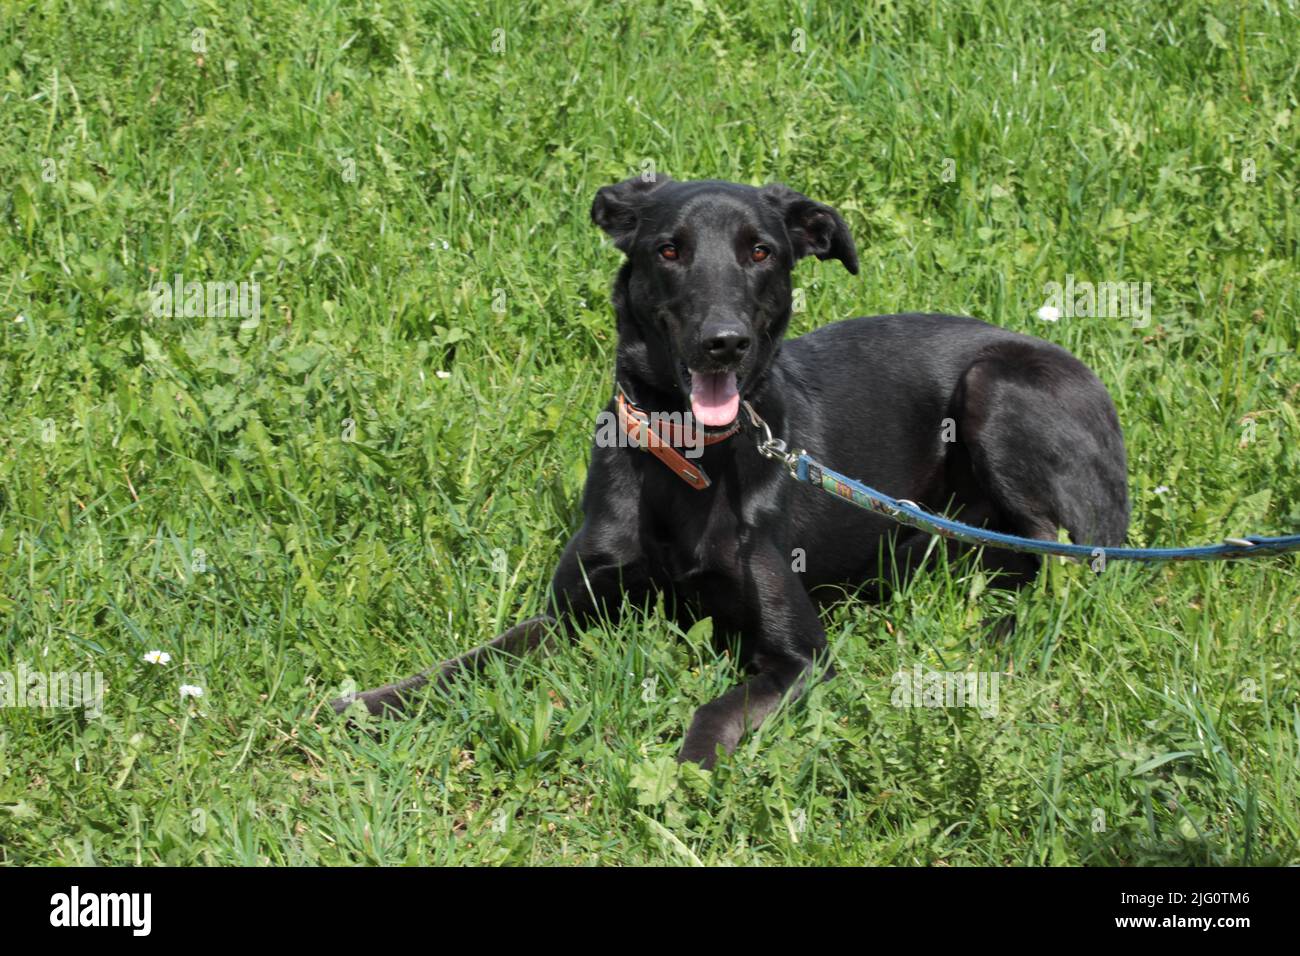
x: 189, y: 690
x: 158, y: 657
x: 1049, y: 313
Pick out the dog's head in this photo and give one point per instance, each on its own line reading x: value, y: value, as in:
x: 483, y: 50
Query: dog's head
x: 707, y: 279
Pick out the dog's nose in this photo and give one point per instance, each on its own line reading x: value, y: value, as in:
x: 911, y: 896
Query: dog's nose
x: 725, y: 343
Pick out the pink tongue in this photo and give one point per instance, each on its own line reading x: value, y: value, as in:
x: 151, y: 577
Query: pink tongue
x: 714, y: 398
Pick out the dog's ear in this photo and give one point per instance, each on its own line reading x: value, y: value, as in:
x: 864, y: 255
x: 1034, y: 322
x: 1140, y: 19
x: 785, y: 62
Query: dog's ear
x: 816, y: 229
x: 616, y: 208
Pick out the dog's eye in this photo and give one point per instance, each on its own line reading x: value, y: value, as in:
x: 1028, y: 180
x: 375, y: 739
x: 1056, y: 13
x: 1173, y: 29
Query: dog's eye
x: 760, y: 253
x: 668, y: 251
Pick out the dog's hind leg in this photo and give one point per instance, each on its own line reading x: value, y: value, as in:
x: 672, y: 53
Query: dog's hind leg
x: 1039, y: 448
x: 1045, y: 446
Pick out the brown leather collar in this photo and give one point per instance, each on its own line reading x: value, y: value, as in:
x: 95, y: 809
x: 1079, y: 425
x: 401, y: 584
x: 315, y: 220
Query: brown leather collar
x: 659, y: 437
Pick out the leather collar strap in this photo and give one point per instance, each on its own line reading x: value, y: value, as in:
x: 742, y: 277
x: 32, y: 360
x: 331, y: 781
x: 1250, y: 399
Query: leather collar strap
x: 659, y: 437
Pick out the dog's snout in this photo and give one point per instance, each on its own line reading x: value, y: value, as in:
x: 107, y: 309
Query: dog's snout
x: 725, y: 342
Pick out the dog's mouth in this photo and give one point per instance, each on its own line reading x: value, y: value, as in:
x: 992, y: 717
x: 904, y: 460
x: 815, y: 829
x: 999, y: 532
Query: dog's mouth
x: 715, y: 397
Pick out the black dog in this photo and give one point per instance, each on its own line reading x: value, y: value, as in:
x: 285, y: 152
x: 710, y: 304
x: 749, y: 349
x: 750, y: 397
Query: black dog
x: 999, y: 428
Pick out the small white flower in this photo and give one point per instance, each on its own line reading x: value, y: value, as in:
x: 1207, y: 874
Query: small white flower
x: 158, y: 657
x: 441, y: 374
x: 1162, y: 489
x: 1049, y: 313
x: 21, y: 318
x: 189, y: 690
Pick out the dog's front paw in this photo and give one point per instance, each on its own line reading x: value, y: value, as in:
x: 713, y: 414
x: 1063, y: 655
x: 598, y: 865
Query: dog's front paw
x: 341, y: 704
x: 703, y: 754
x: 390, y: 699
x: 711, y: 735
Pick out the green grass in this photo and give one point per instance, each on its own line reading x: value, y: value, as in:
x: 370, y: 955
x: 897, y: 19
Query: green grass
x: 183, y: 484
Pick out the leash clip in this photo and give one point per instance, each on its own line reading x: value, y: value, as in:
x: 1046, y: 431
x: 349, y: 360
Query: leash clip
x: 772, y: 447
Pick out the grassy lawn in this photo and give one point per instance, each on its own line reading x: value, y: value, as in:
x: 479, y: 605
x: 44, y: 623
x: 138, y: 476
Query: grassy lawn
x: 380, y: 467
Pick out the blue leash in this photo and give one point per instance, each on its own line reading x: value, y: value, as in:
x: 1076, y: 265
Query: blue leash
x: 804, y: 467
